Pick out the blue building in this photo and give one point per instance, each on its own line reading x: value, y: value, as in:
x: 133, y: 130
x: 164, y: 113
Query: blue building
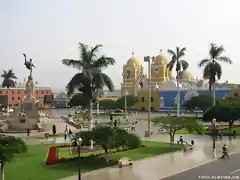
x: 168, y: 97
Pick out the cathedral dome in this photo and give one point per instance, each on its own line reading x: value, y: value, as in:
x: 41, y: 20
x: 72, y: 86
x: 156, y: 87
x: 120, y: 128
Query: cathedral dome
x: 161, y: 59
x: 186, y: 76
x: 133, y: 61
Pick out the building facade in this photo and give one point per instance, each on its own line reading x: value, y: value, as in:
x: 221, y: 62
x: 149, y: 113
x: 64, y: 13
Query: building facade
x: 17, y: 94
x: 163, y: 84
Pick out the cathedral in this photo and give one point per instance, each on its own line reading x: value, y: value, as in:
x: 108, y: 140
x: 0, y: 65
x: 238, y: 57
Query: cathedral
x: 162, y: 82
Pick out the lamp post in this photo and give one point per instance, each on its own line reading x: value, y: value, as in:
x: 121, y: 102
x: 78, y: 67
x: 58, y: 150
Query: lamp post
x: 148, y: 60
x: 98, y: 102
x: 214, y: 134
x: 125, y: 103
x: 79, y: 142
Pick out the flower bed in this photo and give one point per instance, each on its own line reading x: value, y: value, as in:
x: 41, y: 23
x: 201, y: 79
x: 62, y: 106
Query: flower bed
x: 52, y: 157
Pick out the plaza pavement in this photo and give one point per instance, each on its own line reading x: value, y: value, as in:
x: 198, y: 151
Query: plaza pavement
x: 220, y: 169
x: 166, y: 165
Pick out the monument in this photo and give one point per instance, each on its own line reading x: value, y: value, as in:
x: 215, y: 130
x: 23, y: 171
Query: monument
x: 26, y: 113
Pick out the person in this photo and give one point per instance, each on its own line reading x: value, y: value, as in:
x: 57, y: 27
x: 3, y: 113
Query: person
x: 133, y: 127
x: 65, y: 135
x: 181, y: 139
x: 28, y: 132
x: 225, y: 151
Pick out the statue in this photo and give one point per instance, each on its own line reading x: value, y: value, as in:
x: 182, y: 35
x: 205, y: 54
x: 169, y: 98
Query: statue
x: 29, y: 65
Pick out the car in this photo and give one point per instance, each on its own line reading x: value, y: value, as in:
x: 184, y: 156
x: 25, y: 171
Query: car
x: 125, y: 161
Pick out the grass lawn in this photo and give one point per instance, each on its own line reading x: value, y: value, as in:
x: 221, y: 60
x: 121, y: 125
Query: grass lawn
x: 185, y: 131
x: 29, y: 166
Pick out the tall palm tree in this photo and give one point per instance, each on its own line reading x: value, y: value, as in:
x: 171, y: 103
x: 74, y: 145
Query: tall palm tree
x: 213, y: 69
x: 180, y: 65
x: 90, y: 78
x: 8, y: 79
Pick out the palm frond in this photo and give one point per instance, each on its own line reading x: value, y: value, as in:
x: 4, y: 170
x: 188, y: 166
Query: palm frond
x: 203, y: 62
x: 171, y: 64
x: 217, y: 70
x: 206, y: 71
x: 85, y: 54
x: 73, y: 63
x: 171, y: 52
x: 181, y: 52
x: 104, y: 61
x: 107, y: 81
x: 94, y: 50
x: 184, y: 64
x: 78, y: 81
x: 225, y: 59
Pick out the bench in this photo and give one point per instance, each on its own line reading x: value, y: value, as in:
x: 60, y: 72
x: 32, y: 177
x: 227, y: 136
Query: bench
x: 125, y: 161
x: 179, y: 142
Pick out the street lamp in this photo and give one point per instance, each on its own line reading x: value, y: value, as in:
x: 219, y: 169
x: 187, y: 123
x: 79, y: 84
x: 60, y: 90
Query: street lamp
x: 214, y: 134
x: 98, y: 102
x: 125, y: 103
x: 79, y: 142
x: 148, y: 60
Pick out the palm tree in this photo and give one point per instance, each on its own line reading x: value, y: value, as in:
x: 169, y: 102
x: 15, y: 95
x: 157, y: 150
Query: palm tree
x: 8, y: 79
x: 180, y: 65
x: 90, y: 78
x: 212, y: 67
x: 9, y: 146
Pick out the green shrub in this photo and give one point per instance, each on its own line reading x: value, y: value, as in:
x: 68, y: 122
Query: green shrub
x: 133, y: 141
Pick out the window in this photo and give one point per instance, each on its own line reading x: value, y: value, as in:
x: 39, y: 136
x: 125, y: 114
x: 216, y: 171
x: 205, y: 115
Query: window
x: 152, y: 108
x: 142, y: 99
x: 12, y: 98
x: 22, y: 120
x: 151, y: 99
x: 18, y: 92
x: 12, y: 92
x: 19, y: 98
x: 143, y: 108
x: 42, y: 92
x: 0, y: 92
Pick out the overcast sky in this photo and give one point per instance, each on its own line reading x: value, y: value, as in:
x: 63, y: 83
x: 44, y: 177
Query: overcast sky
x: 49, y: 30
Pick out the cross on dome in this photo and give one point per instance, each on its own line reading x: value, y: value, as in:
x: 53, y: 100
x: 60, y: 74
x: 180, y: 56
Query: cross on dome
x: 132, y: 54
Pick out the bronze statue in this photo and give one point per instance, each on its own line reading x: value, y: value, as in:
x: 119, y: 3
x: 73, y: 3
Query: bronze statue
x: 29, y: 65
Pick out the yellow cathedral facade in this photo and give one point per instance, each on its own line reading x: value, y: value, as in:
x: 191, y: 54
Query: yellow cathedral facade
x: 135, y: 80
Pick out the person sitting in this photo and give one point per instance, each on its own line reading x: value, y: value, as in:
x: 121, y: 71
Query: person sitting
x: 225, y: 151
x: 181, y: 139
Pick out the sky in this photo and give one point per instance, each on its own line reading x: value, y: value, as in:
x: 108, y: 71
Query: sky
x: 50, y: 30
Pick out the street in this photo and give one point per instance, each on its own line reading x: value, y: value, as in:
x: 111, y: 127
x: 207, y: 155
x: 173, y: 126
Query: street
x: 219, y: 169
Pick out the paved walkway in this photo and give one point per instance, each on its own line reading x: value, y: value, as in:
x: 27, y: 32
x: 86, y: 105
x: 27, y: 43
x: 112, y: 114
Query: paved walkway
x: 165, y: 165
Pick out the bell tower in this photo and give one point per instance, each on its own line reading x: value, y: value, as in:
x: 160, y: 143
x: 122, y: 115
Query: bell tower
x: 132, y: 72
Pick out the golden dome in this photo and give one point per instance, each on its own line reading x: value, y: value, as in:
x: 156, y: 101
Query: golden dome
x: 186, y: 76
x: 161, y: 59
x: 133, y: 61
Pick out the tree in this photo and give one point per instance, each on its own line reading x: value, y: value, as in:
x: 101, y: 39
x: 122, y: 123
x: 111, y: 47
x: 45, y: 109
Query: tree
x: 202, y: 101
x: 79, y: 100
x: 130, y: 99
x: 91, y: 78
x: 9, y: 146
x: 180, y: 64
x: 109, y: 138
x: 54, y: 129
x: 107, y: 104
x: 172, y: 123
x: 213, y: 69
x: 221, y: 114
x: 9, y: 78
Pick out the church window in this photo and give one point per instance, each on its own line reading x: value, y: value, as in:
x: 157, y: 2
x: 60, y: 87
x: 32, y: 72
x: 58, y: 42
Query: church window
x: 12, y: 98
x: 141, y: 84
x: 142, y: 99
x: 151, y: 99
x: 18, y: 98
x: 22, y: 120
x: 128, y: 74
